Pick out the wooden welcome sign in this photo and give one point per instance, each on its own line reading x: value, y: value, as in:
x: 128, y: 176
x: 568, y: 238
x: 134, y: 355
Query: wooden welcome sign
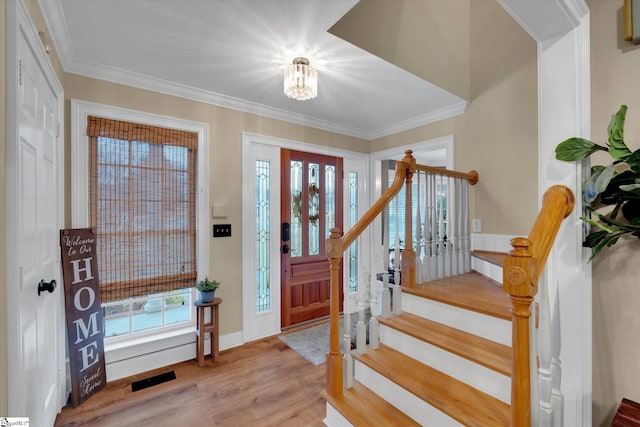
x: 84, y: 313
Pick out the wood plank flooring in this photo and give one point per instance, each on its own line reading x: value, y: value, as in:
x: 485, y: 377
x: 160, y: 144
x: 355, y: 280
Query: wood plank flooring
x: 263, y: 383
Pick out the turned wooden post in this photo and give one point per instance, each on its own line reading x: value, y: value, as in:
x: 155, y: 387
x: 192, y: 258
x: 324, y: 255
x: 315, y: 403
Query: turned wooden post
x: 518, y: 269
x: 408, y: 264
x: 334, y: 250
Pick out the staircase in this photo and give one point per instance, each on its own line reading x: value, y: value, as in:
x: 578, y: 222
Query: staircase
x: 444, y: 361
x: 459, y: 347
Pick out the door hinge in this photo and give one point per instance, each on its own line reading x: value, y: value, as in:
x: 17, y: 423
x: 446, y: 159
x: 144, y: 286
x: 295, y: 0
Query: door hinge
x: 20, y: 278
x: 20, y: 72
x: 58, y: 126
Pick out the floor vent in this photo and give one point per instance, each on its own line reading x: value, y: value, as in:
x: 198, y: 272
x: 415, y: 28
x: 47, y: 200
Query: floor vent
x: 154, y: 380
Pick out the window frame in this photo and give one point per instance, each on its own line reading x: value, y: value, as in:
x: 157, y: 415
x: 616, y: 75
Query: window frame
x: 80, y: 110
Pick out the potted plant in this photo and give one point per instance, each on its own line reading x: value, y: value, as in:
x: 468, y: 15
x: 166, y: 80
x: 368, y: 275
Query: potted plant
x: 615, y: 186
x: 207, y: 289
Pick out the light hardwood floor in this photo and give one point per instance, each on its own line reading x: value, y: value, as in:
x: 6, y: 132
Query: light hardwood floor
x: 263, y: 383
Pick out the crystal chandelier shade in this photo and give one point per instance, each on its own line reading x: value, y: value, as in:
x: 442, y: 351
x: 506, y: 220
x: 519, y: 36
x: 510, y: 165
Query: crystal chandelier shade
x: 301, y: 80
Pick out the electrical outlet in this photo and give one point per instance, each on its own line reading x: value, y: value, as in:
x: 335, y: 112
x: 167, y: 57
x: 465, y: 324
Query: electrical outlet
x: 476, y: 225
x: 221, y: 230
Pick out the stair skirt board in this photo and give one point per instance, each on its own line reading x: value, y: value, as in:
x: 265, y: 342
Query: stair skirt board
x: 487, y: 269
x: 335, y: 419
x: 407, y: 402
x: 484, y: 379
x: 489, y: 327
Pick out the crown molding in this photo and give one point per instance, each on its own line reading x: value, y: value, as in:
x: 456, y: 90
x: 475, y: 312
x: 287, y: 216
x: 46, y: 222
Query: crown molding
x: 421, y: 120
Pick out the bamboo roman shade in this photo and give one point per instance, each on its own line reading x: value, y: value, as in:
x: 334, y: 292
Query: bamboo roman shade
x: 142, y: 196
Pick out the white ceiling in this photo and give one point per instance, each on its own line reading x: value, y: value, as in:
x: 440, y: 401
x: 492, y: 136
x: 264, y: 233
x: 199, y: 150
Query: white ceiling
x: 231, y: 53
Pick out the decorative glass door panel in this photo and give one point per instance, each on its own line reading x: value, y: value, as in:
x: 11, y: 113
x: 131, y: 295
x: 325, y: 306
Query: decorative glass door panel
x: 311, y: 206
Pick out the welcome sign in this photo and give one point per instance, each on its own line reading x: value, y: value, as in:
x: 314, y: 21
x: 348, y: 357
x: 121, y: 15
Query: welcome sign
x: 84, y: 314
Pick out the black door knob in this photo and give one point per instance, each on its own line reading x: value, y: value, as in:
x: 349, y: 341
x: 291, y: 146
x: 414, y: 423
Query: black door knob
x: 44, y: 286
x: 285, y: 249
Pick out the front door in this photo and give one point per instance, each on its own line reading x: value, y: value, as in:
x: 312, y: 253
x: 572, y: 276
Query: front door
x: 311, y: 205
x: 35, y: 336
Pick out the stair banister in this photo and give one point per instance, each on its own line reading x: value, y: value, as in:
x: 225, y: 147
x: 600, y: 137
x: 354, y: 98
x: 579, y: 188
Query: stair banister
x: 521, y: 272
x: 335, y: 247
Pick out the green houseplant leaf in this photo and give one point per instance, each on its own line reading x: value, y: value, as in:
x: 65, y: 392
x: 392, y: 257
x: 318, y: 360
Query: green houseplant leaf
x: 573, y: 149
x: 615, y: 186
x: 617, y: 148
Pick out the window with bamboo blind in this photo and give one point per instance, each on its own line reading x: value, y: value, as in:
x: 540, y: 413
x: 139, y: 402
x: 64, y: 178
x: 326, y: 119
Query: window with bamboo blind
x: 142, y: 204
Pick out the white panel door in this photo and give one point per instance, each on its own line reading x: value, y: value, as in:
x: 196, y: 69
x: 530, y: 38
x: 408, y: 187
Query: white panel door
x: 33, y: 225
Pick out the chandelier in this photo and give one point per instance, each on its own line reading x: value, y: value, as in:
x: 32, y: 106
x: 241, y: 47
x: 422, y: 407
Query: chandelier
x: 300, y: 80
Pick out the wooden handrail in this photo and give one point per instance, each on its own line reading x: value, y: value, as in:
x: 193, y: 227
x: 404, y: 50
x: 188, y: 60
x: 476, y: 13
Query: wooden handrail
x: 557, y: 204
x: 376, y: 209
x: 335, y: 247
x: 472, y: 176
x: 521, y: 272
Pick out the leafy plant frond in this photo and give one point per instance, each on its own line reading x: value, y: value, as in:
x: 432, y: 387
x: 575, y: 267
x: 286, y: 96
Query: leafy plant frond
x: 616, y: 184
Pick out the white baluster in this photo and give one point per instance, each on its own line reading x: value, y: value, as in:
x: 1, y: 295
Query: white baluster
x: 434, y: 229
x: 373, y: 321
x: 347, y: 359
x: 460, y: 209
x: 557, y: 398
x: 446, y: 226
x: 440, y: 220
x: 361, y: 330
x: 418, y: 228
x: 426, y: 244
x: 452, y: 202
x: 467, y: 234
x: 544, y: 355
x: 397, y: 253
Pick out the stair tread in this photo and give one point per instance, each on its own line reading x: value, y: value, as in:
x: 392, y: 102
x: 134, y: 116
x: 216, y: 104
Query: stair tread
x: 471, y: 291
x: 362, y: 407
x: 490, y: 354
x: 496, y: 258
x: 458, y: 400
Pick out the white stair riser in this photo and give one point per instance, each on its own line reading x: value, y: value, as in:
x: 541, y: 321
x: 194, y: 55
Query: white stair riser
x: 484, y: 326
x: 420, y: 411
x: 335, y: 418
x: 477, y: 376
x: 487, y: 269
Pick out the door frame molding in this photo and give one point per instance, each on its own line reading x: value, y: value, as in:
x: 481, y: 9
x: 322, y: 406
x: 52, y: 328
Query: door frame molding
x: 253, y: 147
x: 19, y: 21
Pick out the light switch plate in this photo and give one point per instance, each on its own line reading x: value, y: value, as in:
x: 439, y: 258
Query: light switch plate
x: 221, y: 230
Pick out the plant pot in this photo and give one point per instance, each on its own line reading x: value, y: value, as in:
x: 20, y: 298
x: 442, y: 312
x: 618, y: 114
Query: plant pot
x: 207, y: 296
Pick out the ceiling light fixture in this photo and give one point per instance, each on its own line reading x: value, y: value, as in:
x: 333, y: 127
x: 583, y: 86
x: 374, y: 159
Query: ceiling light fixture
x: 300, y: 80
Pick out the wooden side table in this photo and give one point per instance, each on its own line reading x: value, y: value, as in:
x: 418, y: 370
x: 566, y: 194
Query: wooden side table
x: 204, y: 328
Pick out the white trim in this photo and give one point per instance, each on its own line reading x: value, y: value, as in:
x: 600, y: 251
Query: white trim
x: 421, y: 120
x: 252, y: 145
x: 18, y: 20
x: 80, y: 110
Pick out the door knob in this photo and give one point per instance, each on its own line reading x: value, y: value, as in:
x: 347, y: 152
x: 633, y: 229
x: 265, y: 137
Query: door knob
x: 44, y: 286
x: 285, y: 249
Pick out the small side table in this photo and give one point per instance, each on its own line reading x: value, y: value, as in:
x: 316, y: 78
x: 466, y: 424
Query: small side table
x: 204, y: 328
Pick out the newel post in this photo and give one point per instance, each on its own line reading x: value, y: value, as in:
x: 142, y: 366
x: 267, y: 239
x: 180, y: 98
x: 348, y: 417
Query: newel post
x: 518, y: 269
x: 334, y: 250
x: 408, y: 262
